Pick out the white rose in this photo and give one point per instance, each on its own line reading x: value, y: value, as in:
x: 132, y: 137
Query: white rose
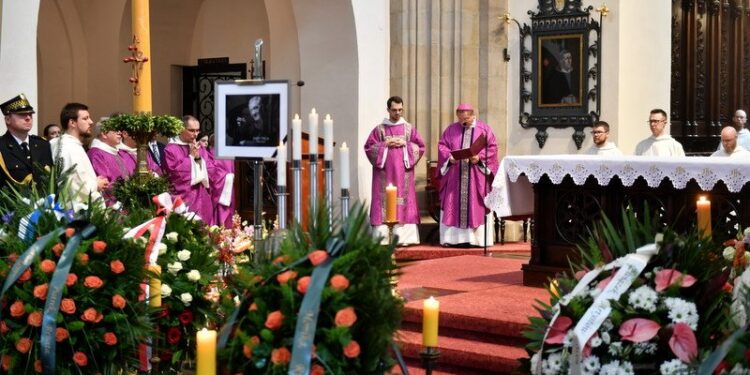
x: 165, y: 290
x: 729, y: 253
x: 237, y: 300
x: 141, y: 241
x: 746, y: 231
x: 194, y: 275
x: 162, y: 248
x: 183, y: 254
x: 126, y: 230
x: 186, y: 298
x: 172, y: 236
x: 174, y: 267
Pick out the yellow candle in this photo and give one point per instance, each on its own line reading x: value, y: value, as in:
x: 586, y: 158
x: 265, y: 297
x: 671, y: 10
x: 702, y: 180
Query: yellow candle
x: 206, y: 356
x: 390, y: 203
x: 554, y: 287
x: 154, y: 287
x: 430, y: 312
x: 703, y: 208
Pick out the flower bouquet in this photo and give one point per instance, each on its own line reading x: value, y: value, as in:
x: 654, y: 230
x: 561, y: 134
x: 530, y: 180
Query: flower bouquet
x: 72, y: 287
x: 276, y: 327
x: 657, y: 309
x: 235, y: 244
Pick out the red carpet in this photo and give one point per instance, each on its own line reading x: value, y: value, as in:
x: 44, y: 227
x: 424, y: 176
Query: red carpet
x: 483, y: 308
x: 421, y: 252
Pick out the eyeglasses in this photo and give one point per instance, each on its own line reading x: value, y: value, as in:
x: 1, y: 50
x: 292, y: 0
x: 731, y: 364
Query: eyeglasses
x: 597, y: 132
x: 655, y: 121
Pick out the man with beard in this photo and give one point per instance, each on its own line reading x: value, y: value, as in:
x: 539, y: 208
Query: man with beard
x: 68, y: 150
x: 22, y: 155
x: 602, y: 146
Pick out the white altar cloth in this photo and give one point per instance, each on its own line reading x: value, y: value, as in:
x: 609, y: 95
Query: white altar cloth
x: 512, y: 191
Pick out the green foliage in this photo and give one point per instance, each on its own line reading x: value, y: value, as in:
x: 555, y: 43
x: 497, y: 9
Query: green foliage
x: 144, y: 126
x: 137, y: 191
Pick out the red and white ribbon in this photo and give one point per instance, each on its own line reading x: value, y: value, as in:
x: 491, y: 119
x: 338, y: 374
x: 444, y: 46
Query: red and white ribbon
x: 158, y: 224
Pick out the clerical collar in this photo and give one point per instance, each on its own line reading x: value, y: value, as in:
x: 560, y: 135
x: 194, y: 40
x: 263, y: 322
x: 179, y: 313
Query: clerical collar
x: 662, y: 137
x: 387, y: 121
x: 177, y: 140
x: 127, y: 148
x: 97, y: 143
x: 19, y: 141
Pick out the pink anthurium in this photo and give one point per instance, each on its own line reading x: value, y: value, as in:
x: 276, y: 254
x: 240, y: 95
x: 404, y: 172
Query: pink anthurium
x: 639, y: 329
x: 666, y: 277
x: 683, y: 342
x: 603, y: 284
x: 558, y: 330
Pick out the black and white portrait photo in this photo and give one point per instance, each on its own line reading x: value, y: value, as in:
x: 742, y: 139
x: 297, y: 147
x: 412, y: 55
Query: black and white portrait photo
x: 560, y: 70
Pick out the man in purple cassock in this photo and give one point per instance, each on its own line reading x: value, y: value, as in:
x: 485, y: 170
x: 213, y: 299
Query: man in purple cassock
x: 465, y: 182
x: 107, y: 160
x: 394, y: 147
x: 187, y: 165
x: 222, y: 186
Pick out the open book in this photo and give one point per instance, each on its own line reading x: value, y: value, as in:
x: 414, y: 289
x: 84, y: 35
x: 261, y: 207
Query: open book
x: 472, y: 150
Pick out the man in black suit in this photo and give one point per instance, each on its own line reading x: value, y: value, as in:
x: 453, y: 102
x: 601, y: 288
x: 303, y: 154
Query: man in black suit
x: 156, y: 149
x: 23, y: 156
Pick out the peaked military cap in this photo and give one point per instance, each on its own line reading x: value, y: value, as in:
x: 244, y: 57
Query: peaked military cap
x: 19, y: 104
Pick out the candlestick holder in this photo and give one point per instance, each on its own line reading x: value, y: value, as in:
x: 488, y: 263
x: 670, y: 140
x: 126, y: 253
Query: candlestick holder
x: 313, y: 183
x: 297, y: 203
x: 281, y: 203
x: 258, y: 202
x: 344, y: 203
x: 429, y: 357
x: 155, y: 360
x: 328, y: 167
x: 391, y: 225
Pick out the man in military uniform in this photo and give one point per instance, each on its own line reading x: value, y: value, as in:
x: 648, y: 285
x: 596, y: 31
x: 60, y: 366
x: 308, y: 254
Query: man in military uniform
x: 23, y: 156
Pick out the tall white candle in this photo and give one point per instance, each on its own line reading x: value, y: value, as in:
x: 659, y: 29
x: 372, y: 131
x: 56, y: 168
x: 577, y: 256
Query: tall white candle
x: 296, y: 137
x: 281, y: 165
x: 313, y: 122
x: 328, y: 138
x: 344, y: 154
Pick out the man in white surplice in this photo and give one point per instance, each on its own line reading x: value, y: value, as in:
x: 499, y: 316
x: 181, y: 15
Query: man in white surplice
x: 602, y: 146
x: 729, y: 146
x: 660, y: 143
x: 743, y: 135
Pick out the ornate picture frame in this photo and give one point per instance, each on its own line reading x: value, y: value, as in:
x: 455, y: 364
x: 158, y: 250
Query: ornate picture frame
x: 560, y: 69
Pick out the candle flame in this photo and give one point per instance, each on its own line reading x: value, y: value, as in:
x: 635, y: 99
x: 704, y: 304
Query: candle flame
x: 328, y: 116
x: 702, y: 198
x: 343, y: 146
x: 313, y: 111
x: 296, y: 116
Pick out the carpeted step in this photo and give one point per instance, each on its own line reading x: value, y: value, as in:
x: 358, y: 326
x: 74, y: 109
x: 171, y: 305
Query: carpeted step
x: 462, y: 353
x: 473, y: 335
x: 506, y: 326
x: 415, y: 367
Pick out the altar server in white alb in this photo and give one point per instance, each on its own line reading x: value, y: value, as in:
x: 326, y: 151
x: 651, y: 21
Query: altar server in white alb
x: 660, y: 143
x: 729, y: 146
x: 602, y: 146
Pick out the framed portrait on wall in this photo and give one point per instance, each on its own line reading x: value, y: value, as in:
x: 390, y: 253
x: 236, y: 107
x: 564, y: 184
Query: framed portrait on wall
x: 560, y: 60
x: 250, y: 117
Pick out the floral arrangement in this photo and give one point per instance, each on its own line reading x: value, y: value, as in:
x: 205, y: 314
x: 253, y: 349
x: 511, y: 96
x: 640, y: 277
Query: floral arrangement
x: 138, y: 192
x: 144, y: 126
x: 100, y: 322
x: 235, y: 244
x: 352, y: 337
x: 662, y: 308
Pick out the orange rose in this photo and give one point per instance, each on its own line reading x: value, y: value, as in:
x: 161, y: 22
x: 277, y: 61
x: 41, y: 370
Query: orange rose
x: 255, y: 341
x: 345, y: 317
x: 118, y: 302
x: 110, y: 339
x: 99, y: 246
x: 284, y: 277
x: 247, y: 351
x: 317, y: 370
x: 17, y: 309
x: 93, y: 282
x: 47, y: 266
x: 38, y: 366
x: 274, y: 320
x: 40, y: 291
x: 61, y: 334
x: 302, y: 284
x: 4, y: 327
x: 58, y: 248
x: 83, y: 258
x: 69, y: 232
x: 280, y: 259
x: 71, y: 280
x: 23, y: 345
x: 92, y: 316
x: 117, y: 267
x: 13, y: 257
x: 5, y: 360
x: 280, y: 356
x: 25, y: 276
x: 34, y: 319
x: 253, y: 307
x: 351, y: 350
x: 68, y: 306
x: 339, y: 282
x: 317, y: 257
x: 80, y: 359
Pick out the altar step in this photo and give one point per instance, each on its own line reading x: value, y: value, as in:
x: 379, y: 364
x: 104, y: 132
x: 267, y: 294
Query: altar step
x: 483, y: 309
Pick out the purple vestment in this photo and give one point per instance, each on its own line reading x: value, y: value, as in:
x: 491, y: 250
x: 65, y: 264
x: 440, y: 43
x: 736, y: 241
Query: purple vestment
x: 394, y: 166
x: 464, y: 185
x: 192, y: 186
x: 131, y: 161
x: 108, y: 162
x: 222, y: 189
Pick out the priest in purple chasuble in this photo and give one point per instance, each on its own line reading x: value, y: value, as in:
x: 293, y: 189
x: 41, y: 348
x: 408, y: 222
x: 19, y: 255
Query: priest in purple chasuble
x: 186, y: 166
x: 465, y: 182
x: 222, y: 186
x: 129, y: 152
x: 107, y: 160
x: 393, y: 148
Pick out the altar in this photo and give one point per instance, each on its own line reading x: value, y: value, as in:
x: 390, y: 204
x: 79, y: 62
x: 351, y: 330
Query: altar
x: 566, y: 194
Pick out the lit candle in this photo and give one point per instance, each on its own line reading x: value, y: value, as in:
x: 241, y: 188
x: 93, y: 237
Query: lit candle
x: 281, y: 165
x: 313, y: 122
x: 328, y: 138
x: 296, y: 137
x: 430, y: 312
x: 703, y: 208
x: 154, y: 284
x: 554, y: 287
x: 344, y: 154
x: 206, y: 352
x: 390, y: 203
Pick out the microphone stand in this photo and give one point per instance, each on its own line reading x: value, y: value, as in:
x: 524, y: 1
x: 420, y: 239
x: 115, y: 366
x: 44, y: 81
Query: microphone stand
x: 486, y: 167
